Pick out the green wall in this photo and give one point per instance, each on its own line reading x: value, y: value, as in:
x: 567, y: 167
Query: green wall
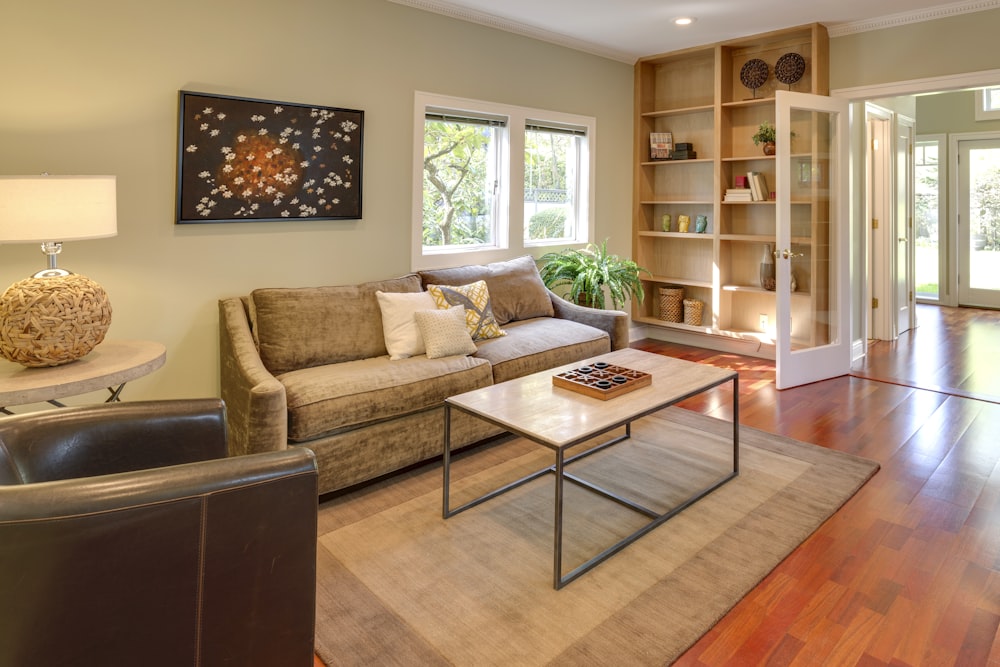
x: 950, y: 45
x: 92, y: 88
x: 951, y: 113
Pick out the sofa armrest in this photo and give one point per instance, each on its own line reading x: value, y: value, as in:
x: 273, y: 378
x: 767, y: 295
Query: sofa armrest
x: 256, y: 410
x: 614, y: 322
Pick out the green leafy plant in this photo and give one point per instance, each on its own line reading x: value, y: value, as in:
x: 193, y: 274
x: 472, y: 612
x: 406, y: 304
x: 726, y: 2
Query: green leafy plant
x: 765, y: 134
x: 587, y: 272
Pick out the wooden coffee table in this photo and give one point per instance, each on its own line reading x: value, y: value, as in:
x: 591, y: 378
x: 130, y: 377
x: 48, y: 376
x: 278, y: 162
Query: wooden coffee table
x: 559, y: 419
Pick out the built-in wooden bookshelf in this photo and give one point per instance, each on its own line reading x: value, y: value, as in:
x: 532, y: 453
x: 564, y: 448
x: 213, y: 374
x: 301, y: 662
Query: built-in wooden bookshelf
x: 697, y: 96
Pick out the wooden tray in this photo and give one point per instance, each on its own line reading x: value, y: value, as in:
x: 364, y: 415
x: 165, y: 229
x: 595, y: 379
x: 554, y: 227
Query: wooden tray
x: 591, y: 380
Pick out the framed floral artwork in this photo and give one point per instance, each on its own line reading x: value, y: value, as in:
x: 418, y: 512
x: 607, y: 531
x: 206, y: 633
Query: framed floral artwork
x: 241, y: 159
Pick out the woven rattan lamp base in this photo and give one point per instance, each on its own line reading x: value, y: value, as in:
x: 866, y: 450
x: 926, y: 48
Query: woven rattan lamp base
x: 52, y: 321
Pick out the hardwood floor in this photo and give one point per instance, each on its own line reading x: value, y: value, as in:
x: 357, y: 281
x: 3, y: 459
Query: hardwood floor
x: 908, y: 571
x: 952, y: 350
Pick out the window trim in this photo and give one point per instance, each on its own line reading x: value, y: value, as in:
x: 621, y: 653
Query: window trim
x: 509, y: 241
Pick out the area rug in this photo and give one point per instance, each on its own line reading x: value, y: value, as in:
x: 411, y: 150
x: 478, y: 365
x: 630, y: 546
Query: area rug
x: 399, y: 585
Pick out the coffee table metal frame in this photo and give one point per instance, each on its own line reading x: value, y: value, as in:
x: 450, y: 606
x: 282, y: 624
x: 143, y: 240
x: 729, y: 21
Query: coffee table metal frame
x: 558, y: 469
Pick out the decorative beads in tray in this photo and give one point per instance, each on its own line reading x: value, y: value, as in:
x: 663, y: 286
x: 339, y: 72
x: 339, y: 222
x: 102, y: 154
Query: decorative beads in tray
x: 602, y: 380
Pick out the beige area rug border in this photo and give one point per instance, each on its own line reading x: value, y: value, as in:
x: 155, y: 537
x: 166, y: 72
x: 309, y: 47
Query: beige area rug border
x: 354, y: 627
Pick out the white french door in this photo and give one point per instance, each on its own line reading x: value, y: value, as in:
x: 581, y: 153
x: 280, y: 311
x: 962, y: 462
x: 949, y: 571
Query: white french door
x: 813, y: 327
x: 978, y: 226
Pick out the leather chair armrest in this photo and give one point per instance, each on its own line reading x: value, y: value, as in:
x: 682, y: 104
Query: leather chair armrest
x: 614, y: 322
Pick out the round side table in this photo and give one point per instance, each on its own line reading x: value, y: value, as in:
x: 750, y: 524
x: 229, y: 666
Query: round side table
x: 110, y: 365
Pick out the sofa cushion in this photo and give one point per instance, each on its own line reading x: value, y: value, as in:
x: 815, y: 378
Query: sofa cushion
x: 536, y: 345
x: 402, y: 336
x: 516, y: 290
x: 444, y: 332
x: 313, y: 326
x: 475, y: 298
x: 336, y: 397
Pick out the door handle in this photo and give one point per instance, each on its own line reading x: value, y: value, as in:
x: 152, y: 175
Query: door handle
x: 788, y: 254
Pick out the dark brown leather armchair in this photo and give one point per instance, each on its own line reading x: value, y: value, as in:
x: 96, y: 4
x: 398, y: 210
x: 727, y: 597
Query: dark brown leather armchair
x: 127, y: 538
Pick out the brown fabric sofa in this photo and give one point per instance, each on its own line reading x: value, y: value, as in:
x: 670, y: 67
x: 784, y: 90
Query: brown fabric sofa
x: 309, y: 367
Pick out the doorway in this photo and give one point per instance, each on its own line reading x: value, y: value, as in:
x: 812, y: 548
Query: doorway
x: 978, y: 220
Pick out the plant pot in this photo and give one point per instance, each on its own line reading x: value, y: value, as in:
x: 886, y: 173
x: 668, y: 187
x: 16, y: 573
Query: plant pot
x: 768, y: 148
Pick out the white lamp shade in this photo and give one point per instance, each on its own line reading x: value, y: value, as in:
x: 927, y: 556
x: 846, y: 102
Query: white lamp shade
x: 40, y: 209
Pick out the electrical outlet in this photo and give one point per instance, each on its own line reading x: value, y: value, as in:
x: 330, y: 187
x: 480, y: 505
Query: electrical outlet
x: 763, y: 322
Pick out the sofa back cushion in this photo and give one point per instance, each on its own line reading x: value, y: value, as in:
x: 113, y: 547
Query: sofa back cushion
x: 311, y: 326
x: 516, y: 290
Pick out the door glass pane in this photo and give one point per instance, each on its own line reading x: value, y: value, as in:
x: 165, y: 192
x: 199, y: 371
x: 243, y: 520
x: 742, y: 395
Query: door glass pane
x: 984, y: 218
x: 927, y: 207
x: 811, y: 251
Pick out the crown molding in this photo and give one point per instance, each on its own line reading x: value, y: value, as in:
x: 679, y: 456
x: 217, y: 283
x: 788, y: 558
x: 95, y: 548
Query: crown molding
x: 491, y: 21
x: 916, y: 16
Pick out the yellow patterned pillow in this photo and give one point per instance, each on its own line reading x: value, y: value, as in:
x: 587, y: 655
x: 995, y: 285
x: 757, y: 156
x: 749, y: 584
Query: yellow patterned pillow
x: 475, y: 298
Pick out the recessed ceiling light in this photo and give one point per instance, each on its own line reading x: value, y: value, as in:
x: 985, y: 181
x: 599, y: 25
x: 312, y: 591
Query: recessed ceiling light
x: 683, y: 20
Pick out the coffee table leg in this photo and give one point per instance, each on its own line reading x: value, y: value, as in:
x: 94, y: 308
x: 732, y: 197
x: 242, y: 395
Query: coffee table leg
x: 446, y: 511
x: 557, y: 580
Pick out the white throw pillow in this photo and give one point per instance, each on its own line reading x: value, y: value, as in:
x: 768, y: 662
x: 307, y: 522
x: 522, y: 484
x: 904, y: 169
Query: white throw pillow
x: 444, y: 332
x: 402, y: 337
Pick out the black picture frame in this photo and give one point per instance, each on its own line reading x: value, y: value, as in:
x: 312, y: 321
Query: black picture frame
x: 241, y: 159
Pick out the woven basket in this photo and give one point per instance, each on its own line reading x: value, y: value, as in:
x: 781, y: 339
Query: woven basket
x: 671, y: 303
x: 52, y: 321
x: 692, y: 312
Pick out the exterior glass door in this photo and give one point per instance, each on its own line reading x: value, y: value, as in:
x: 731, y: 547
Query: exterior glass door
x: 979, y: 223
x: 811, y: 255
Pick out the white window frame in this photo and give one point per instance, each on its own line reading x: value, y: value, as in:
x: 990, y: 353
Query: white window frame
x: 983, y: 109
x: 509, y: 236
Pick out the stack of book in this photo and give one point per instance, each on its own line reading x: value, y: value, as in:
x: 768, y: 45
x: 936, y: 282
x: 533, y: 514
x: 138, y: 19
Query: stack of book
x: 683, y: 151
x: 738, y: 194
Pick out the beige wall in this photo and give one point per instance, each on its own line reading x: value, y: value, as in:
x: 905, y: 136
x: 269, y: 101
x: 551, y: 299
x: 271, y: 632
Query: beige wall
x: 92, y: 88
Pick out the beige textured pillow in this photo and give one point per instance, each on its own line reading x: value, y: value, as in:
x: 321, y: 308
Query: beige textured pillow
x: 402, y: 337
x: 444, y: 332
x: 475, y: 298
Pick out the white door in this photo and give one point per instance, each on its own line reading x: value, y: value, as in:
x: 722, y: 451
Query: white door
x: 812, y: 239
x: 903, y: 222
x: 979, y: 223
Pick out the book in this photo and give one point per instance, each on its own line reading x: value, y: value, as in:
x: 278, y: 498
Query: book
x: 753, y: 186
x: 761, y: 183
x: 660, y: 145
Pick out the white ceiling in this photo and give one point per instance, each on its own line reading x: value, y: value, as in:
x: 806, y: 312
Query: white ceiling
x: 628, y: 29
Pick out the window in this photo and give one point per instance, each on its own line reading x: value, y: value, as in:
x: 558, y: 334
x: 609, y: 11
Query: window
x: 552, y: 182
x: 928, y: 176
x: 988, y: 104
x: 471, y: 197
x: 461, y: 181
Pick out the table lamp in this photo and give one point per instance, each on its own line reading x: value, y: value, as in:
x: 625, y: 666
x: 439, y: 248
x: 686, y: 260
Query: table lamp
x: 55, y: 316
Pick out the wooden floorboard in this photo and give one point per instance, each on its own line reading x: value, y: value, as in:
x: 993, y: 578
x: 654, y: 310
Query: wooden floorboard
x: 907, y: 573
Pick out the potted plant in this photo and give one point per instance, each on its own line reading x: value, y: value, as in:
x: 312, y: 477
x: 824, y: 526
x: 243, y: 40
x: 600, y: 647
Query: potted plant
x: 765, y: 135
x: 587, y: 272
